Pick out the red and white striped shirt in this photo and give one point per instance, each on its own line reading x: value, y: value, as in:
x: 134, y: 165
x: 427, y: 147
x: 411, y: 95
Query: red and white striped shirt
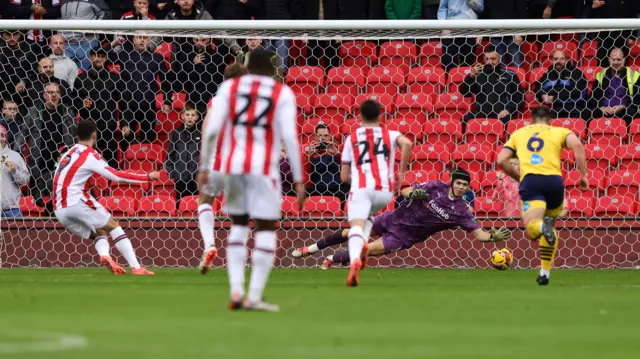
x: 252, y: 116
x: 131, y: 16
x: 75, y: 168
x: 370, y: 152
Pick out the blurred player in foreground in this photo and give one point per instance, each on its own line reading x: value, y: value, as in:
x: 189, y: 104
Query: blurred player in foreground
x: 538, y: 147
x: 80, y: 212
x: 253, y: 116
x: 212, y: 188
x: 367, y: 165
x: 430, y: 208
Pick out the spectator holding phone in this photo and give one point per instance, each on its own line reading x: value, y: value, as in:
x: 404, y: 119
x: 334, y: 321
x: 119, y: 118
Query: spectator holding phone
x: 324, y: 159
x: 13, y: 174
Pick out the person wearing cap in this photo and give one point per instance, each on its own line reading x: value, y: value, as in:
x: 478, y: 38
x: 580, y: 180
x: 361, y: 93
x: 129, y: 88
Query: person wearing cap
x: 13, y: 174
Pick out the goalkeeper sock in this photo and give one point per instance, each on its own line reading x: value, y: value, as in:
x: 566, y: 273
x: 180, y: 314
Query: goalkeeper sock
x: 262, y: 260
x: 102, y: 246
x: 356, y: 242
x: 328, y: 241
x: 237, y: 258
x: 206, y: 223
x: 534, y: 229
x: 123, y: 245
x: 547, y: 253
x: 341, y: 257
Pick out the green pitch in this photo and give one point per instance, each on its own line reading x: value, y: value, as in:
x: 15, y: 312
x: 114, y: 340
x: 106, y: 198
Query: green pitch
x: 396, y: 313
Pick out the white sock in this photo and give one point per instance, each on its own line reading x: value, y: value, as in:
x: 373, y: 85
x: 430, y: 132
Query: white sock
x: 102, y: 246
x: 545, y: 272
x: 368, y: 226
x: 237, y: 258
x: 123, y: 245
x: 206, y: 223
x: 313, y: 248
x: 356, y: 242
x: 262, y: 260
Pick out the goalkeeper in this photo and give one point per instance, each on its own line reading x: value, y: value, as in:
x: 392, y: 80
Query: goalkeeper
x: 431, y: 207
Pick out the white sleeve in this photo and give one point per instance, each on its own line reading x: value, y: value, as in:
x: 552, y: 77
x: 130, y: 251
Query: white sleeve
x: 286, y: 113
x: 216, y: 115
x: 347, y: 153
x: 100, y: 166
x: 394, y: 138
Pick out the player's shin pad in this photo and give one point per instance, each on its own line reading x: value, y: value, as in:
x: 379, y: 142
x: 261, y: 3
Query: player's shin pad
x: 547, y: 252
x: 534, y: 225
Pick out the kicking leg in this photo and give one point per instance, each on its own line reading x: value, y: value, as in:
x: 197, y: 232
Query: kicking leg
x: 123, y: 245
x: 540, y: 227
x: 333, y: 239
x: 375, y: 249
x: 101, y: 243
x: 357, y: 244
x: 206, y: 224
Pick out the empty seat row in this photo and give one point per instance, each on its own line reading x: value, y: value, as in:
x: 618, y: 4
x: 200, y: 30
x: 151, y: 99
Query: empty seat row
x: 577, y: 207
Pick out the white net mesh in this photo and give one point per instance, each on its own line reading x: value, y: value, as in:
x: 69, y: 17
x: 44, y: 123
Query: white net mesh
x: 450, y: 92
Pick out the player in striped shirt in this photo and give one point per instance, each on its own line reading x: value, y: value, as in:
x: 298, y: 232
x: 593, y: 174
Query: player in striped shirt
x: 79, y: 212
x: 368, y: 163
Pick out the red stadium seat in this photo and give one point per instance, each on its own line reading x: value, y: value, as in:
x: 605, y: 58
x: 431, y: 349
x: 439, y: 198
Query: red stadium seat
x: 430, y: 158
x: 332, y: 106
x: 322, y: 206
x: 567, y: 159
x: 456, y: 76
x: 28, y: 207
x: 589, y: 53
x: 304, y: 103
x: 410, y: 127
x: 572, y: 183
x: 614, y: 206
x: 144, y: 157
x: 414, y: 105
x: 386, y: 102
x: 579, y: 207
x: 429, y: 81
x: 388, y: 80
x: 590, y: 73
x: 607, y: 131
x: 349, y: 126
x: 430, y: 54
x: 452, y: 105
x: 361, y: 54
x: 188, y: 206
x: 522, y: 76
x: 399, y: 54
x: 99, y: 184
x: 133, y: 190
x: 290, y: 207
x: 305, y: 79
x: 489, y: 183
x: 164, y: 186
x: 514, y: 125
x: 629, y: 156
x: 634, y: 131
x: 600, y: 157
x: 484, y: 131
x: 577, y: 125
x: 120, y: 206
x: 443, y: 131
x: 487, y: 207
x: 415, y: 177
x: 535, y: 75
x: 157, y: 206
x: 473, y: 157
x: 345, y: 80
x: 549, y: 48
x: 623, y: 183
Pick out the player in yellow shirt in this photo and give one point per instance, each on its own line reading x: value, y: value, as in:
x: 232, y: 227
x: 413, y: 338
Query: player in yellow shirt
x: 538, y: 147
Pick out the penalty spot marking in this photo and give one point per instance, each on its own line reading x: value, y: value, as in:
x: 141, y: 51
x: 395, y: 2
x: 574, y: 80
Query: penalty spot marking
x: 18, y: 342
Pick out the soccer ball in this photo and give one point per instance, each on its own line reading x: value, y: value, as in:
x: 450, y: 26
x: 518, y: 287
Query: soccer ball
x: 501, y: 259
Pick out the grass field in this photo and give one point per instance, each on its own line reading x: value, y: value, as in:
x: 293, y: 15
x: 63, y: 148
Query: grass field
x: 396, y: 313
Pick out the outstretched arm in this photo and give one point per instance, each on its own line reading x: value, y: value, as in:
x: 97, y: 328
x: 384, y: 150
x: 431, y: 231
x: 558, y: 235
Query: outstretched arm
x: 100, y: 166
x: 412, y: 193
x: 493, y: 235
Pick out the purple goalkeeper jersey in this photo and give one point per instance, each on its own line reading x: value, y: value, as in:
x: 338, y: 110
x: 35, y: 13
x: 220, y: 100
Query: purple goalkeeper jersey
x: 418, y: 219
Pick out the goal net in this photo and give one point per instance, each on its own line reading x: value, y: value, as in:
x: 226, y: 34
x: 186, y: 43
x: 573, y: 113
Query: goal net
x: 457, y: 89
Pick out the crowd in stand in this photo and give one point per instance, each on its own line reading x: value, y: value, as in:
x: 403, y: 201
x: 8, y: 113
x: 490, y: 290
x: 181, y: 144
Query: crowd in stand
x: 49, y: 80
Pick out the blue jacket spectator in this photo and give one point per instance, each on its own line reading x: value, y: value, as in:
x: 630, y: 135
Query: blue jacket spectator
x: 79, y: 45
x: 460, y: 9
x: 563, y: 87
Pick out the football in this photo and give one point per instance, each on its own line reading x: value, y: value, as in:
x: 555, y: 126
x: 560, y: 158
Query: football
x: 501, y: 259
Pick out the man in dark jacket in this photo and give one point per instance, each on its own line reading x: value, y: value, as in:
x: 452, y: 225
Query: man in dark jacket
x: 497, y: 91
x: 98, y: 95
x: 322, y: 52
x: 507, y: 9
x: 16, y: 62
x: 612, y: 9
x: 12, y: 122
x: 563, y: 87
x: 232, y: 9
x: 139, y: 68
x: 36, y: 10
x: 184, y: 153
x: 280, y: 10
x: 29, y: 90
x: 324, y: 159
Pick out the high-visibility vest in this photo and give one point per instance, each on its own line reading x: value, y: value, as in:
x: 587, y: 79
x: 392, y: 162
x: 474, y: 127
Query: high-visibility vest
x: 632, y: 78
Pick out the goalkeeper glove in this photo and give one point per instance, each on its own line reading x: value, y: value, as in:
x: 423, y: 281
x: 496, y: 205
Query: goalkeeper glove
x: 418, y: 194
x: 499, y: 235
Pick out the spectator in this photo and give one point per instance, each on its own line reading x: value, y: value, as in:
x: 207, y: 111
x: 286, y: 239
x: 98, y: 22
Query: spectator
x: 286, y: 174
x: 13, y: 174
x: 324, y: 158
x: 233, y: 9
x: 507, y: 9
x: 403, y: 9
x: 184, y: 153
x: 615, y: 92
x: 140, y: 12
x: 548, y: 10
x: 280, y: 10
x: 506, y: 192
x: 322, y: 52
x: 16, y: 61
x: 48, y: 126
x: 12, y: 122
x: 36, y: 10
x: 355, y: 9
x: 498, y: 93
x: 139, y: 68
x: 458, y: 51
x: 64, y: 68
x: 200, y: 68
x: 99, y: 93
x: 430, y: 9
x: 563, y: 87
x: 612, y: 9
x: 79, y: 45
x: 251, y: 46
x: 29, y: 90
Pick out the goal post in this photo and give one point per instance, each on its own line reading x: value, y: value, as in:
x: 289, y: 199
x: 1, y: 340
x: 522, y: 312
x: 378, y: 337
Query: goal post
x: 418, y: 70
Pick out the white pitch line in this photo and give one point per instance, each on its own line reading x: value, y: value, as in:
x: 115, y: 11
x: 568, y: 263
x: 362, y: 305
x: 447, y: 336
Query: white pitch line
x: 39, y: 342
